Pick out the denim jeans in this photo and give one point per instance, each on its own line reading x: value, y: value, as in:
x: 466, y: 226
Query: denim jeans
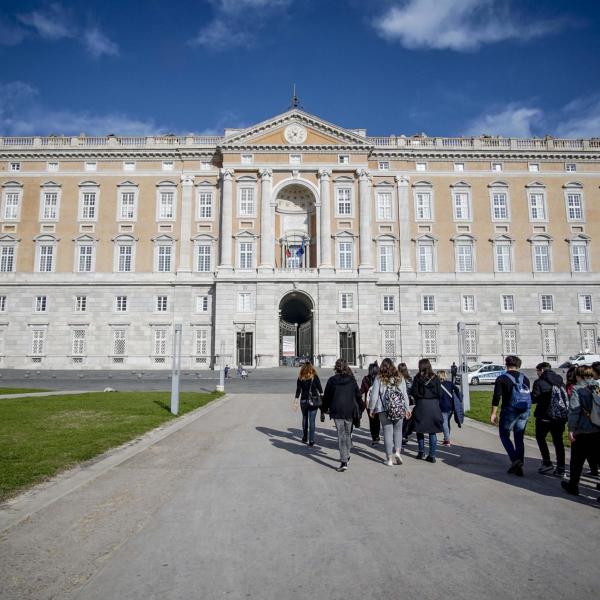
x: 515, y: 421
x: 432, y: 443
x: 344, y: 431
x: 309, y: 417
x: 556, y: 429
x: 446, y: 425
x: 392, y: 434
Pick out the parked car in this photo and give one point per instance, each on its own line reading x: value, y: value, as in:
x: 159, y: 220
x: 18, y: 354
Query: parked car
x: 485, y: 373
x: 580, y: 359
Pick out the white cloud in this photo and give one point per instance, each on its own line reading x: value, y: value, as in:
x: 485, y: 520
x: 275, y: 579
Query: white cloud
x: 461, y: 25
x: 581, y: 119
x: 50, y: 23
x: 511, y: 121
x: 97, y: 44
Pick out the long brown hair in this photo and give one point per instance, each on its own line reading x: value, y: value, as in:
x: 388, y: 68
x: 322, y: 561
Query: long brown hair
x: 343, y: 368
x: 425, y: 369
x: 307, y: 371
x: 388, y: 371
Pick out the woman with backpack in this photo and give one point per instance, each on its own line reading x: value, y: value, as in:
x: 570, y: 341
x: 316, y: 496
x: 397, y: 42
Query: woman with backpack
x: 309, y: 390
x: 388, y: 401
x: 426, y: 391
x: 449, y: 391
x: 584, y: 426
x: 365, y: 386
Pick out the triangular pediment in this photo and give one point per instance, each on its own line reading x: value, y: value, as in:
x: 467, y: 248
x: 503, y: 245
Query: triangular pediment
x: 295, y: 129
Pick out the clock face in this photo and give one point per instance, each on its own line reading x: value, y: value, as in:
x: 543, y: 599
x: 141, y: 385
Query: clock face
x: 295, y: 134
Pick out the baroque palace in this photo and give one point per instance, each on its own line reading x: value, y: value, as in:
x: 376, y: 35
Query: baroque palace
x: 296, y: 237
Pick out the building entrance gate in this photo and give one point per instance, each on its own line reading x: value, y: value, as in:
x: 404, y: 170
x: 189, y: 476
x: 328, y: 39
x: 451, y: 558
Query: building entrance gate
x: 295, y: 329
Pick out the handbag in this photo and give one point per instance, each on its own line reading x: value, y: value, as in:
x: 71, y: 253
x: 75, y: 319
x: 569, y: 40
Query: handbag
x: 314, y: 398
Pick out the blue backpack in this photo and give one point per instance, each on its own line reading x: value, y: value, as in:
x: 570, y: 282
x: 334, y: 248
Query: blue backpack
x: 520, y: 398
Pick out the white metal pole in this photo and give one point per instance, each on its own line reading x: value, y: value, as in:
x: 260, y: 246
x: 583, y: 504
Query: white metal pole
x: 176, y: 368
x: 221, y: 386
x: 464, y: 380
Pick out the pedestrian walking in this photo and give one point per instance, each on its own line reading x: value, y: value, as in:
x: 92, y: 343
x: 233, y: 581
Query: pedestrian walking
x: 309, y: 390
x: 388, y: 401
x: 453, y: 372
x: 551, y: 410
x: 226, y: 371
x: 447, y: 399
x: 426, y: 391
x: 584, y: 426
x: 365, y: 386
x: 342, y: 400
x: 512, y: 390
x: 408, y: 424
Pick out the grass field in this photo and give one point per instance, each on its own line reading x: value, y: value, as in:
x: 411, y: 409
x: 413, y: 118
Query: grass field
x: 40, y: 437
x: 4, y: 391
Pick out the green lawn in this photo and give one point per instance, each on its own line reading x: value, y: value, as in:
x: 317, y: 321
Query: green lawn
x: 19, y: 390
x: 41, y: 436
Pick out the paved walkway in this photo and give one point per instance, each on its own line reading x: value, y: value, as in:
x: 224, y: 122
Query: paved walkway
x: 232, y: 505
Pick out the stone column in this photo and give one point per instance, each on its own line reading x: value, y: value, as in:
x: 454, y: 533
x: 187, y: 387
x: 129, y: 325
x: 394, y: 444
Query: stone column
x: 325, y: 220
x: 364, y: 193
x: 187, y: 206
x: 226, y: 219
x: 404, y: 223
x: 267, y: 233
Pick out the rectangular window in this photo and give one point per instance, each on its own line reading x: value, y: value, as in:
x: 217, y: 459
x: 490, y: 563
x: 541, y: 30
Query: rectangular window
x: 588, y: 339
x: 244, y: 302
x: 546, y: 303
x: 127, y: 206
x: 386, y: 258
x: 509, y: 340
x: 574, y: 207
x: 84, y: 260
x: 80, y: 303
x: 537, y: 210
x: 470, y: 341
x: 420, y: 166
x: 52, y: 166
x: 201, y: 303
x: 549, y: 342
x: 164, y: 259
x: 2, y: 303
x: 166, y: 207
x: 78, y: 342
x: 125, y: 259
x: 91, y: 166
x: 502, y: 255
x: 423, y: 206
x: 570, y: 167
x: 384, y: 206
x: 389, y: 303
x: 201, y: 342
x: 428, y: 303
x: 38, y: 342
x: 11, y: 206
x: 247, y: 208
x: 534, y: 167
x: 205, y: 166
x: 88, y: 206
x: 429, y: 342
x: 344, y: 201
x: 129, y: 165
x: 345, y: 255
x: 346, y: 301
x: 462, y: 209
x: 162, y: 303
x: 464, y: 258
x: 585, y: 303
x: 499, y: 206
x: 343, y: 159
x: 15, y: 167
x: 160, y: 342
x: 579, y: 258
x: 41, y: 303
x: 246, y: 255
x: 295, y: 159
x: 384, y: 165
x: 425, y: 258
x: 168, y: 165
x: 204, y: 258
x: 46, y: 259
x: 50, y: 206
x: 121, y: 303
x: 247, y: 159
x: 7, y: 259
x: 508, y: 303
x: 458, y: 167
x: 389, y: 343
x: 119, y: 340
x: 497, y: 167
x: 205, y: 205
x: 541, y: 253
x: 468, y: 303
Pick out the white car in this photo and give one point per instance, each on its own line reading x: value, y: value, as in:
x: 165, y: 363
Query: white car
x: 584, y: 359
x: 485, y: 374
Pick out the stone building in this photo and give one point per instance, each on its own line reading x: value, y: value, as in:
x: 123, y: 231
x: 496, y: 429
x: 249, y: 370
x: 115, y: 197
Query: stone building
x: 296, y: 237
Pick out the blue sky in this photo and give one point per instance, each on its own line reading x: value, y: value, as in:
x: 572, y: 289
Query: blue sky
x: 443, y: 67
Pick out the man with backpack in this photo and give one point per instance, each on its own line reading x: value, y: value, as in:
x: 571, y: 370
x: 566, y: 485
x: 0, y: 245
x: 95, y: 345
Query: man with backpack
x: 552, y: 409
x: 512, y: 392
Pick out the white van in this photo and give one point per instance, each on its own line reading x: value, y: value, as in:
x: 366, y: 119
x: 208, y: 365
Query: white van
x: 584, y: 359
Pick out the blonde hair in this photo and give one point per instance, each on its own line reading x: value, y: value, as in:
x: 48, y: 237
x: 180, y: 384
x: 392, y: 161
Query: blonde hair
x: 307, y: 371
x: 442, y: 375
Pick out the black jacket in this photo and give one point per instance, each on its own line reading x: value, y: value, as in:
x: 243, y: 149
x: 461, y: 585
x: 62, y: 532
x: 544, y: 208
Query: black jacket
x: 541, y: 392
x: 342, y: 399
x: 427, y: 414
x: 303, y: 387
x: 503, y: 389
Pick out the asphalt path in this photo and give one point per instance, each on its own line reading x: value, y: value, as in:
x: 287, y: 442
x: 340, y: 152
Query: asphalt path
x: 233, y: 505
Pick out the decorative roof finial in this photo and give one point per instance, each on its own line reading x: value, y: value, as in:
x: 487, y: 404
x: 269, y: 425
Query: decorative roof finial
x: 295, y: 100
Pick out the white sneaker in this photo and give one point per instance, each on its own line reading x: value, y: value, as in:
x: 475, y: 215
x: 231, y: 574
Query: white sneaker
x: 398, y: 458
x: 388, y: 462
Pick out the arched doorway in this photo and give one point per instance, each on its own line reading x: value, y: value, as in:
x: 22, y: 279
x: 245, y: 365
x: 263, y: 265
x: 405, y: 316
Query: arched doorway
x: 295, y: 329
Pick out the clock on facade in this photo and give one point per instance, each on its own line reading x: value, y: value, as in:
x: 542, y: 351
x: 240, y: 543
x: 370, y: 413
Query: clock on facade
x: 295, y: 134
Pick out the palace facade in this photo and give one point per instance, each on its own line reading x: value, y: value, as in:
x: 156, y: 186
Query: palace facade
x: 296, y: 237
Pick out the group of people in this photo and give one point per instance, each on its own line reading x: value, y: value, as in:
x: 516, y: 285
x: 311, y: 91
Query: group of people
x: 574, y: 403
x: 395, y: 403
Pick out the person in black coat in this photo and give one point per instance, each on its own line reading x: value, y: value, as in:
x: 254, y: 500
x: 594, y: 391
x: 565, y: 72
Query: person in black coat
x: 541, y: 394
x: 365, y: 386
x: 426, y: 392
x: 308, y: 385
x: 447, y: 398
x: 342, y: 400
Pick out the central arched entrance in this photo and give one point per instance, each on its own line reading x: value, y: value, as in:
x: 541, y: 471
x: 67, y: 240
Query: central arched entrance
x: 295, y: 329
